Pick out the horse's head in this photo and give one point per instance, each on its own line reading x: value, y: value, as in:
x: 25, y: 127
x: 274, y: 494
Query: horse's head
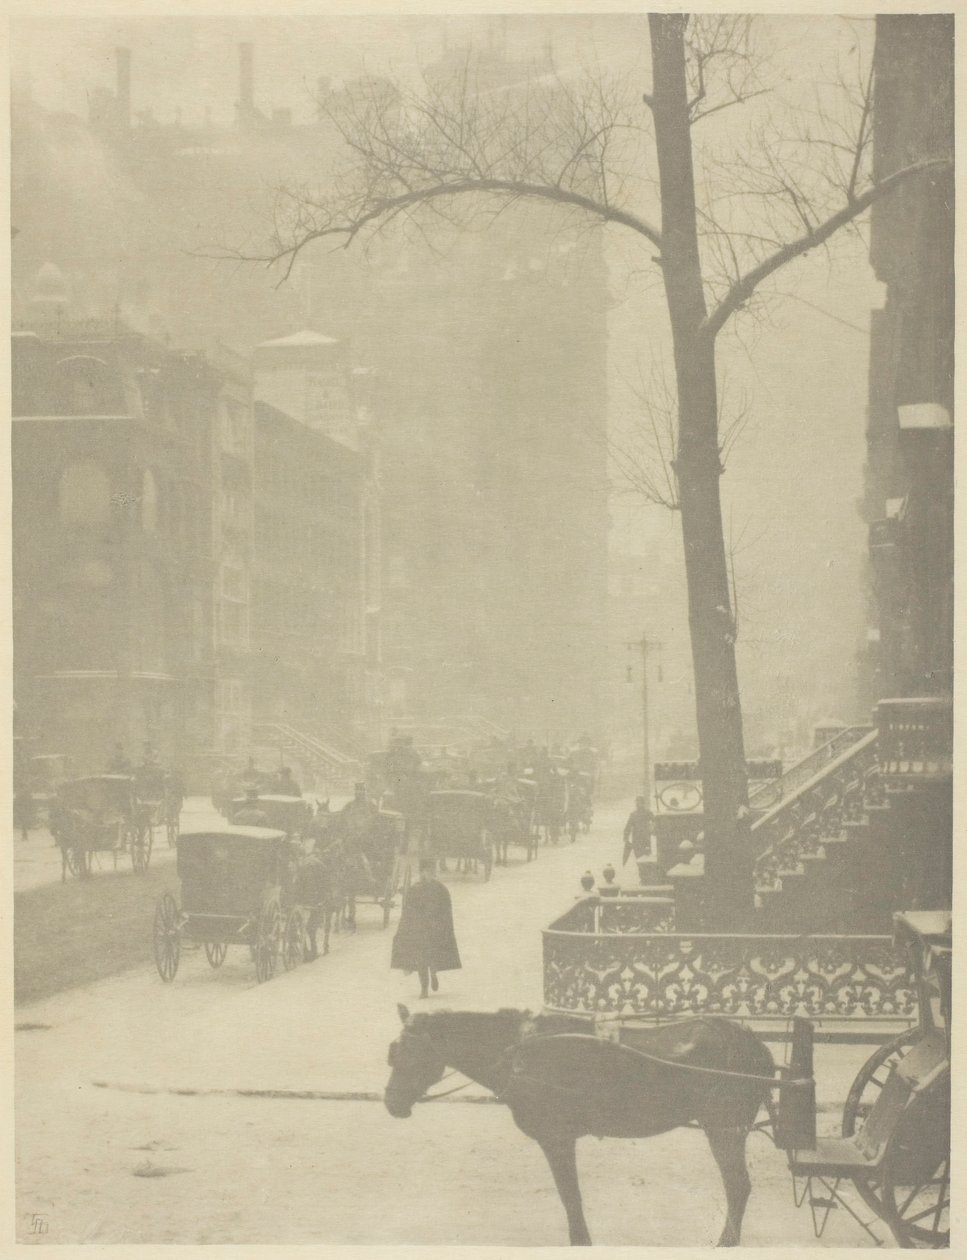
x: 417, y: 1063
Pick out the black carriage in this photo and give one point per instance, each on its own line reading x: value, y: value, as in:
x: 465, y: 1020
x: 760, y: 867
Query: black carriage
x: 894, y: 1144
x: 160, y: 799
x: 377, y: 868
x: 580, y: 802
x: 460, y: 826
x: 239, y: 886
x: 550, y: 806
x: 99, y: 815
x: 291, y: 814
x: 512, y: 818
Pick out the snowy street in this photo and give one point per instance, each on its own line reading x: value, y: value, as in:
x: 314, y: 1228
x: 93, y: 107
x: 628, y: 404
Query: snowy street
x: 126, y: 1119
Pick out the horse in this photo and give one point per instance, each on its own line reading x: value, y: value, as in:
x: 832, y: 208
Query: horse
x: 322, y: 882
x: 562, y: 1083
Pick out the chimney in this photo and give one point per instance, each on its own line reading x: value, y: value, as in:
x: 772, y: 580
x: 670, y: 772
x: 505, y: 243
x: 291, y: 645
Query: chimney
x: 246, y: 80
x: 122, y: 57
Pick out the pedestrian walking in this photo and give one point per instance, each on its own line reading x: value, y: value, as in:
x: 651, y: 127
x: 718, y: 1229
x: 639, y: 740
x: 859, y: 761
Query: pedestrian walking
x: 638, y: 831
x: 425, y: 941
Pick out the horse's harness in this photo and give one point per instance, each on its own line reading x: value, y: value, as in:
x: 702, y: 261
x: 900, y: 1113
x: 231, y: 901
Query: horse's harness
x: 772, y: 1083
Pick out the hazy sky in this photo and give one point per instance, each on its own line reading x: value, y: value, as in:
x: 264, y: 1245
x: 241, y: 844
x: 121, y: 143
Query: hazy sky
x: 803, y: 370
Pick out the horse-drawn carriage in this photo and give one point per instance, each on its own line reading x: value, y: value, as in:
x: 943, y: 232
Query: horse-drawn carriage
x: 460, y: 826
x: 239, y: 886
x: 579, y: 812
x: 291, y: 814
x: 100, y: 814
x: 160, y: 798
x: 512, y: 817
x: 894, y: 1145
x: 550, y: 805
x: 563, y: 1077
x: 374, y: 866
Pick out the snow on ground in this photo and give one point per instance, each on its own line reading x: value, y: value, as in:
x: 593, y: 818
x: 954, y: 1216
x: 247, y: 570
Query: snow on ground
x: 109, y: 1165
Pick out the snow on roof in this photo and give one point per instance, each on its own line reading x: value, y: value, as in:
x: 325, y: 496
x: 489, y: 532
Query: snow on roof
x: 304, y: 338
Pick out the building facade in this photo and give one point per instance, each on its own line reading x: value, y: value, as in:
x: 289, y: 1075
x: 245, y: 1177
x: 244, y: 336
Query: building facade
x: 316, y: 594
x: 119, y: 544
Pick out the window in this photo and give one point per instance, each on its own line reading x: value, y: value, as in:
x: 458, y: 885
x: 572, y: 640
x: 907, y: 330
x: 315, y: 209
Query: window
x: 84, y: 494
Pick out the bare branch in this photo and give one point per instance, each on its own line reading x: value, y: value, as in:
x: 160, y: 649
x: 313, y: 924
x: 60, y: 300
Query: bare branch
x: 744, y: 288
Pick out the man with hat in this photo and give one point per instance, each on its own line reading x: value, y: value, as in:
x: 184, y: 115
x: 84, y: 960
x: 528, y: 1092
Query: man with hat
x: 425, y: 941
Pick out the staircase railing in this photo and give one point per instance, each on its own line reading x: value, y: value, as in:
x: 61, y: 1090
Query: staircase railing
x: 771, y: 794
x: 321, y: 754
x: 795, y: 828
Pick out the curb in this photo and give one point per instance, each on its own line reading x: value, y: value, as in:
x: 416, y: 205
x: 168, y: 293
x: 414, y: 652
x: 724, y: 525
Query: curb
x: 310, y: 1095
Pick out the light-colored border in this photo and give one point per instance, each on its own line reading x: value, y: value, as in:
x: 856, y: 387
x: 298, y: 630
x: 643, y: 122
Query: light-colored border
x: 174, y: 8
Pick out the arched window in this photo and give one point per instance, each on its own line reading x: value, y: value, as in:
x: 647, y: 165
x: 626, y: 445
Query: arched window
x: 89, y: 386
x: 84, y: 495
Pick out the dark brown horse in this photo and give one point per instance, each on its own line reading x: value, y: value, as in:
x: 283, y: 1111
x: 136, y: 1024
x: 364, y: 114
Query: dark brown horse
x: 562, y: 1083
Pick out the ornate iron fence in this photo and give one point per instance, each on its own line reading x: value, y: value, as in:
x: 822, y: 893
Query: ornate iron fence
x: 664, y: 975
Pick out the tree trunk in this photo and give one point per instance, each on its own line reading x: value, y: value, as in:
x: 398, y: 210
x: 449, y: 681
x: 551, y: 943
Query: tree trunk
x: 728, y: 866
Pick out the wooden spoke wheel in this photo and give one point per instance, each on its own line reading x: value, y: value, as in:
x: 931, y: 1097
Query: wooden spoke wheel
x: 215, y: 952
x: 863, y: 1094
x: 294, y: 940
x: 915, y: 1177
x: 267, y: 940
x: 142, y: 841
x: 167, y: 938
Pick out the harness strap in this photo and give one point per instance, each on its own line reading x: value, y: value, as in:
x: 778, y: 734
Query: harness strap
x: 771, y: 1081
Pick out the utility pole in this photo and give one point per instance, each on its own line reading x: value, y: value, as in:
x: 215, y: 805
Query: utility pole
x: 643, y: 645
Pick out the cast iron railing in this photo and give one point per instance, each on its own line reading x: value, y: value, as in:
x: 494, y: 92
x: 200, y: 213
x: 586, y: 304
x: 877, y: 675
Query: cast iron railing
x: 662, y: 975
x: 796, y: 827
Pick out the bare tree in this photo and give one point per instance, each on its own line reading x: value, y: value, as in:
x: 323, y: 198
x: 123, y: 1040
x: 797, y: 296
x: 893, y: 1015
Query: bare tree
x: 459, y: 150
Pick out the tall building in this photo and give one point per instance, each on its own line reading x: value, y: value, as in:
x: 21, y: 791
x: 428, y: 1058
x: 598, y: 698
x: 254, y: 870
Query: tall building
x: 486, y: 371
x: 316, y: 598
x: 126, y: 524
x: 909, y: 472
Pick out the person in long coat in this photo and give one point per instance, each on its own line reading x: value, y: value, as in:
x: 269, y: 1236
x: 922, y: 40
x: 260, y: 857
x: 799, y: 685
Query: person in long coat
x: 425, y: 941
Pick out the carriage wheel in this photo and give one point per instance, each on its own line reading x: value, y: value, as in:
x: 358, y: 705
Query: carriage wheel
x: 267, y: 941
x: 215, y: 952
x: 167, y: 938
x: 915, y: 1175
x: 919, y: 1214
x: 294, y: 940
x: 863, y: 1094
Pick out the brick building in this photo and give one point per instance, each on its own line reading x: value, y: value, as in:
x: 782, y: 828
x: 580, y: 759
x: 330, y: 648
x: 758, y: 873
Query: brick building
x: 128, y: 516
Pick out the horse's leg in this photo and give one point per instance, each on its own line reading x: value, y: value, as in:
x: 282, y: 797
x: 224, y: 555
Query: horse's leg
x: 326, y: 925
x: 562, y: 1158
x: 311, y: 926
x: 728, y: 1147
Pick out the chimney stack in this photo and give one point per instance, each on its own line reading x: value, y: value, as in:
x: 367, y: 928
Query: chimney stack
x: 122, y: 57
x: 246, y: 80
